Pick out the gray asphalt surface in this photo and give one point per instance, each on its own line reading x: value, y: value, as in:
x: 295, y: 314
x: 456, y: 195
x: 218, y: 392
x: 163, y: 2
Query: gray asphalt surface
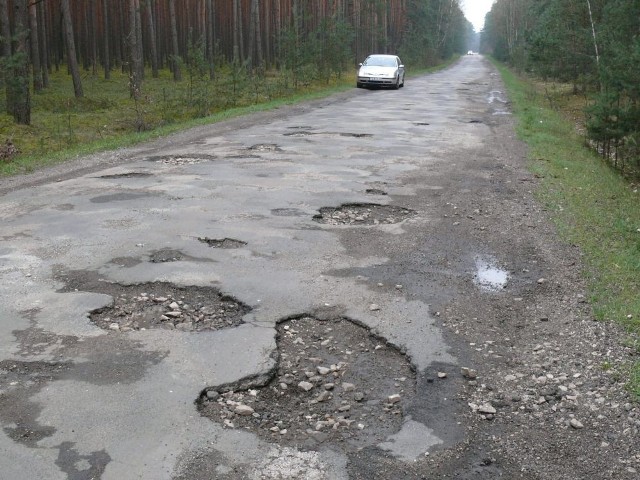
x: 80, y: 402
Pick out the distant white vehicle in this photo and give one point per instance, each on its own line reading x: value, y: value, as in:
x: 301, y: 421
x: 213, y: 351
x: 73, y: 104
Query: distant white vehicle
x: 470, y: 52
x: 381, y: 71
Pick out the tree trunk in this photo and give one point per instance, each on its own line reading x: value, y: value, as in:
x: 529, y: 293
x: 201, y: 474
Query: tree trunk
x: 251, y: 48
x: 210, y: 50
x: 106, y: 60
x: 5, y: 29
x: 44, y: 44
x: 35, y: 47
x: 139, y: 44
x: 152, y: 38
x: 135, y: 82
x: 236, y: 32
x: 177, y: 74
x: 94, y: 40
x: 18, y: 75
x: 72, y: 60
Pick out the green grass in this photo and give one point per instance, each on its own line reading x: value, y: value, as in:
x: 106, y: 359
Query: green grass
x: 593, y: 206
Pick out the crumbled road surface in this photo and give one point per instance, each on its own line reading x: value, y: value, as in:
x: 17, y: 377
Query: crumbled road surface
x: 359, y: 287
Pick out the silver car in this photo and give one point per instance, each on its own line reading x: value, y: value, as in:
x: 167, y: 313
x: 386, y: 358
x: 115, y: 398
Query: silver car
x: 381, y: 71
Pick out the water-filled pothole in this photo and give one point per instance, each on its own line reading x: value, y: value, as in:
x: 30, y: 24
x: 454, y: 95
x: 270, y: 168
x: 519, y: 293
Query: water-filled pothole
x: 222, y: 242
x: 362, y: 214
x: 164, y: 305
x: 335, y: 384
x: 489, y: 276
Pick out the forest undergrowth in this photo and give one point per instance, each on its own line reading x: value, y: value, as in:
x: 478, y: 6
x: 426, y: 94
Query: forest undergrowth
x: 106, y: 117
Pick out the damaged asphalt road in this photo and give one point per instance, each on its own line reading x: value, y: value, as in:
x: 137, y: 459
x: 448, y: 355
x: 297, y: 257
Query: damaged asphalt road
x: 360, y: 287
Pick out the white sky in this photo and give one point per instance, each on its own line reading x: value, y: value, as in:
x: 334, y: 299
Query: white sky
x: 475, y: 11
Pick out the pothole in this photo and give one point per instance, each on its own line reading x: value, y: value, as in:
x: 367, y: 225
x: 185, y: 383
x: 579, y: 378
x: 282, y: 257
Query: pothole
x: 167, y: 306
x: 356, y: 135
x: 421, y: 124
x: 375, y: 191
x: 306, y: 133
x: 362, y: 214
x: 265, y: 147
x: 335, y: 384
x: 474, y: 120
x: 166, y: 255
x: 222, y: 242
x: 127, y: 175
x: 300, y: 133
x: 181, y: 159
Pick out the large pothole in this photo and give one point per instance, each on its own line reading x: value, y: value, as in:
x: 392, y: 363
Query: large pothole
x: 164, y: 305
x: 362, y: 214
x: 156, y: 305
x: 335, y: 383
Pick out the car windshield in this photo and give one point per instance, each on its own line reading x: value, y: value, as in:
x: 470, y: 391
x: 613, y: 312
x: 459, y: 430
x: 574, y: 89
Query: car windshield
x: 380, y: 62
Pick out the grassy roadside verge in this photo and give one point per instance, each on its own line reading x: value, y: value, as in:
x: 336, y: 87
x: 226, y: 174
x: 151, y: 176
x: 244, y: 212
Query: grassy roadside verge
x: 592, y: 206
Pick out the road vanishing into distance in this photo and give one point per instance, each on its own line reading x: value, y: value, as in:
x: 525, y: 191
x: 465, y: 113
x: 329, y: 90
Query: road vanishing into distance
x: 359, y: 287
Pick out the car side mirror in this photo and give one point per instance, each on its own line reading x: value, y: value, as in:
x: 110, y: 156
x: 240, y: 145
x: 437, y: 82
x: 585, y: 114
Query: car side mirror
x: 359, y: 64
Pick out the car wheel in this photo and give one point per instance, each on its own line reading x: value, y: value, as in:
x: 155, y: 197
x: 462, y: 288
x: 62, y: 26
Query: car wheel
x: 397, y: 85
x: 358, y: 85
x: 402, y: 84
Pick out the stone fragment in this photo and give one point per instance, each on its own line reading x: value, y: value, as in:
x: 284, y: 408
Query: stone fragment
x: 469, y: 373
x: 323, y: 370
x: 576, y: 424
x: 243, y: 410
x: 374, y: 307
x: 442, y: 374
x: 487, y: 409
x: 348, y: 387
x: 395, y: 398
x: 212, y: 395
x: 306, y: 386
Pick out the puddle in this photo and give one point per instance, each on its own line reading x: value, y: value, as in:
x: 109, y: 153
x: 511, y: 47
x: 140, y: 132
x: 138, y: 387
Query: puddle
x: 335, y: 384
x: 362, y: 214
x: 222, y: 242
x: 489, y: 276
